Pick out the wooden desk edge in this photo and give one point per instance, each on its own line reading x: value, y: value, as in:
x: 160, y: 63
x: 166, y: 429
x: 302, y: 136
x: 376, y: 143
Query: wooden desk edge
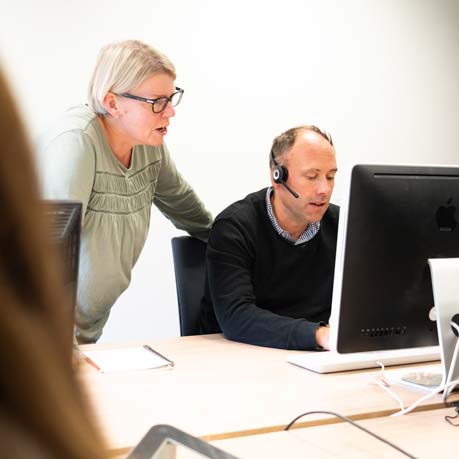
x: 121, y: 452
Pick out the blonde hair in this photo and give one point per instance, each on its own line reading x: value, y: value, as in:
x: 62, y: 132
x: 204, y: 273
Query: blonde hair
x: 40, y: 401
x: 122, y: 66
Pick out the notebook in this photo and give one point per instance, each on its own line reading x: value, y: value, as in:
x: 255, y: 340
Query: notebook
x: 126, y: 359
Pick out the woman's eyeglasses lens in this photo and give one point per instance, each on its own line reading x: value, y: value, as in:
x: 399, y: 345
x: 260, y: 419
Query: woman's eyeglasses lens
x: 161, y: 103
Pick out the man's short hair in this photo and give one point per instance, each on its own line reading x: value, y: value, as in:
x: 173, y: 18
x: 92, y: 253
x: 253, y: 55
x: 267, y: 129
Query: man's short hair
x: 121, y: 67
x: 285, y: 141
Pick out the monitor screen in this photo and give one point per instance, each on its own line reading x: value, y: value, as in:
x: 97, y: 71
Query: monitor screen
x: 394, y: 220
x: 64, y: 226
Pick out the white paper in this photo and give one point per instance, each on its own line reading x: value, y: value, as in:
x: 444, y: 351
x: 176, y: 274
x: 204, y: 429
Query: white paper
x: 125, y: 359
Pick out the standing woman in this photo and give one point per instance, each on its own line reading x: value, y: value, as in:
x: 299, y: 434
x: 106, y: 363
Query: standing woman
x: 42, y: 409
x: 111, y: 156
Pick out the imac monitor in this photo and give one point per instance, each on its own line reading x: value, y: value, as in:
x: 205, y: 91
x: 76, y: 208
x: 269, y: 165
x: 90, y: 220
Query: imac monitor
x: 396, y: 218
x: 64, y: 225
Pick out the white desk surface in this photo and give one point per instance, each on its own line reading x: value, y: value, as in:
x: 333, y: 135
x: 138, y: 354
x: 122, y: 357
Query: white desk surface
x: 424, y: 435
x: 222, y: 389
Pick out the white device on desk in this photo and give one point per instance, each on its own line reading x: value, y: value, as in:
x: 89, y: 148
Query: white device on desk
x: 332, y: 361
x: 167, y: 442
x: 393, y: 221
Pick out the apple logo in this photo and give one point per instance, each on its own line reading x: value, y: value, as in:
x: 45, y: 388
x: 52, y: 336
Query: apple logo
x: 446, y: 220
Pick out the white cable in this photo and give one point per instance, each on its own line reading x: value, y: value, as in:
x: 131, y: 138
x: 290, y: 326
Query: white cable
x: 381, y: 382
x: 446, y: 388
x: 391, y: 393
x: 453, y: 364
x: 425, y: 397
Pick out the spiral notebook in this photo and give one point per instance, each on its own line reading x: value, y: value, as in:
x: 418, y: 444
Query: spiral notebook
x: 126, y: 359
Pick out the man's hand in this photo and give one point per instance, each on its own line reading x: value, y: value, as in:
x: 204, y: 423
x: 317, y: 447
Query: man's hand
x: 323, y: 337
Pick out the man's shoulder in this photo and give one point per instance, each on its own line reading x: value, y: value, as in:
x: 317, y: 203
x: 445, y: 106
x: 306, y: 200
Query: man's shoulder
x: 244, y: 209
x: 237, y: 228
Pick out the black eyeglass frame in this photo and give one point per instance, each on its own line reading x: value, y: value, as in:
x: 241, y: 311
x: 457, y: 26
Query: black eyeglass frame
x: 152, y: 102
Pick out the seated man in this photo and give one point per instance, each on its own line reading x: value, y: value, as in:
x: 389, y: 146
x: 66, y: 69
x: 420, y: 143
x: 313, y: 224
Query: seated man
x: 271, y: 256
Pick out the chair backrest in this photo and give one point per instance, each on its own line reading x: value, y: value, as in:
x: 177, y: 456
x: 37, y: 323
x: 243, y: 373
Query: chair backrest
x: 189, y: 256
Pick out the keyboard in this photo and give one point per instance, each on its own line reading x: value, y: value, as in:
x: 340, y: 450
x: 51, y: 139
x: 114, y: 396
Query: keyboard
x: 331, y: 361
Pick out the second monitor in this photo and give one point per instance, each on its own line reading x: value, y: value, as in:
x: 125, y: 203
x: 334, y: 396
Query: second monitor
x: 396, y: 218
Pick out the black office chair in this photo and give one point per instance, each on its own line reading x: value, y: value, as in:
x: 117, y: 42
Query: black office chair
x: 189, y: 256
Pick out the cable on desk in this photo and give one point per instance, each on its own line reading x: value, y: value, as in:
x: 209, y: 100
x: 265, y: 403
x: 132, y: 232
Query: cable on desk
x: 449, y: 419
x: 444, y: 387
x: 350, y: 421
x: 384, y: 384
x: 449, y: 388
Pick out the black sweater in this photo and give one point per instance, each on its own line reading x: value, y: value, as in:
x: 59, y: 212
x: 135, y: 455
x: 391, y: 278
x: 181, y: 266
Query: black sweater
x: 265, y: 290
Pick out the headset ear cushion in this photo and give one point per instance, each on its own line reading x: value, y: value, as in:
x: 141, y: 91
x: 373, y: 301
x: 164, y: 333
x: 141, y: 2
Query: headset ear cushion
x: 280, y: 174
x: 455, y: 324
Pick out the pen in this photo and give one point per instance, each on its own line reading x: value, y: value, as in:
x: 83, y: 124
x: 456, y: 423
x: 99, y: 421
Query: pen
x: 92, y: 363
x: 149, y: 348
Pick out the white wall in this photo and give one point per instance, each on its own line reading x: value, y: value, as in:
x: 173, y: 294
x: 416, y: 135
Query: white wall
x: 380, y: 75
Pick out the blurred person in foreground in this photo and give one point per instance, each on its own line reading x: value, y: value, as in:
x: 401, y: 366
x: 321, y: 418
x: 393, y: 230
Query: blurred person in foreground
x: 42, y: 410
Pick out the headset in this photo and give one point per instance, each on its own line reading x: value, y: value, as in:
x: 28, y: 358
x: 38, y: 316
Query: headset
x: 280, y: 175
x: 455, y: 324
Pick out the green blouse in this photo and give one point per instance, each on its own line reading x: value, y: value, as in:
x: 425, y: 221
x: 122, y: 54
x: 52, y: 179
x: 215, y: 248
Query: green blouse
x: 75, y: 162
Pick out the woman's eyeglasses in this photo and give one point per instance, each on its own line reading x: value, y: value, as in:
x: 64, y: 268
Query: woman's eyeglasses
x: 158, y: 105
